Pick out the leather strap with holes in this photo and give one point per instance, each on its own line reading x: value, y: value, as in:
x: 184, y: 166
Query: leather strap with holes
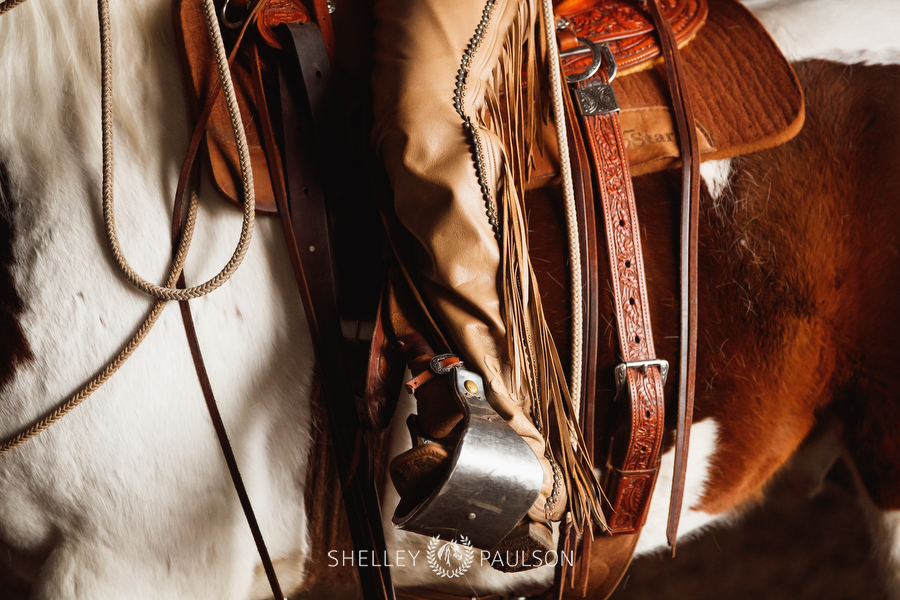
x: 634, y: 457
x: 314, y: 187
x: 443, y: 363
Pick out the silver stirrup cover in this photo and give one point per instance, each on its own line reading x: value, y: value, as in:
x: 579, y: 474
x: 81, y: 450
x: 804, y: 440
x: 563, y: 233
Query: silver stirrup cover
x: 493, y: 479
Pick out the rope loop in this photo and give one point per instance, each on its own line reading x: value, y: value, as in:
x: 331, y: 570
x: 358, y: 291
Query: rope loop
x: 109, y: 217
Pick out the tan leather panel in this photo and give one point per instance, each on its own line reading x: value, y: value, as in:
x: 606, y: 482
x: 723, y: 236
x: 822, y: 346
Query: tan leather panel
x: 742, y: 88
x: 650, y: 136
x: 201, y: 79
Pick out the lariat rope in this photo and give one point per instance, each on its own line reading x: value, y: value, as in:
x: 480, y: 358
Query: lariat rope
x: 149, y: 321
x: 168, y: 292
x: 565, y: 168
x: 8, y: 5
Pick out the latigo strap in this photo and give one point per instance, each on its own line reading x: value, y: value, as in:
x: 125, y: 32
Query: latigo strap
x: 690, y: 208
x: 306, y: 227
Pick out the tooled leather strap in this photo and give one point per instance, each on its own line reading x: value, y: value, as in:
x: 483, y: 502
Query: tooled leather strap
x: 634, y: 466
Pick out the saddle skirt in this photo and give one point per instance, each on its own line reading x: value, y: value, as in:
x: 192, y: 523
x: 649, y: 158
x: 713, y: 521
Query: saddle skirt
x: 744, y: 93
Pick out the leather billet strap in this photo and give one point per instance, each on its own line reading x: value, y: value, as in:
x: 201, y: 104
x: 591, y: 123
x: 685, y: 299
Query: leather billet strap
x: 308, y: 96
x: 633, y: 465
x: 602, y: 129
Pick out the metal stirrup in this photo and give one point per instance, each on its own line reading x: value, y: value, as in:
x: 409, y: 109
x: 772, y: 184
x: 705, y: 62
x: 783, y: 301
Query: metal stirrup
x: 493, y: 479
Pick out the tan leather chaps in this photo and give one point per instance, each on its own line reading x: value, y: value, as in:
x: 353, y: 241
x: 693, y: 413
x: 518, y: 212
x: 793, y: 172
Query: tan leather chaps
x: 432, y: 69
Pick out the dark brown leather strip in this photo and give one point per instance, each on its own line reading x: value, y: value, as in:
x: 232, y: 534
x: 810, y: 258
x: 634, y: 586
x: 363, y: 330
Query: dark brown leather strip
x: 632, y: 470
x: 326, y: 26
x: 306, y: 232
x: 690, y: 206
x: 587, y: 228
x: 187, y: 169
x: 225, y: 445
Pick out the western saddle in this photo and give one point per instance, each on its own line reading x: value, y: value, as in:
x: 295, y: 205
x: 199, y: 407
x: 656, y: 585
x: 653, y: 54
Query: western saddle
x: 652, y: 85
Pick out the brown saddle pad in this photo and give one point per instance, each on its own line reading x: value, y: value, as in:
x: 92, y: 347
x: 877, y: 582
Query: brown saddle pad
x: 744, y: 93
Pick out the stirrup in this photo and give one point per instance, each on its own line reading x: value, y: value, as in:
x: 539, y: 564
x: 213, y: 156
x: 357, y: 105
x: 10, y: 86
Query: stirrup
x: 492, y: 480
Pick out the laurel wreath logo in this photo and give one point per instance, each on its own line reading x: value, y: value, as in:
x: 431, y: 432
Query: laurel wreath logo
x: 444, y: 553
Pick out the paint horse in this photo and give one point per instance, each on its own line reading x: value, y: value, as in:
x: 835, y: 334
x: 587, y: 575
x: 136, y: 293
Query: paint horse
x: 128, y: 496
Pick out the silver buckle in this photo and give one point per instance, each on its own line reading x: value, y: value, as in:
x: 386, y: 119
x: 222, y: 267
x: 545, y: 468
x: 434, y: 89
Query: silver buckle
x: 493, y: 479
x: 599, y: 98
x: 598, y: 53
x: 622, y: 370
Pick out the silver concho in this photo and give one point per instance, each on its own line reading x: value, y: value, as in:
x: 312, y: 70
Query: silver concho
x: 596, y: 100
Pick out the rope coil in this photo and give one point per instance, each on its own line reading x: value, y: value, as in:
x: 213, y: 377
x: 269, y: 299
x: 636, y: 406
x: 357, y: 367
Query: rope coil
x: 168, y: 293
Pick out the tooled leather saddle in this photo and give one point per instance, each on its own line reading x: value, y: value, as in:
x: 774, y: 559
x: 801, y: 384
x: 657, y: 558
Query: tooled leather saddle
x: 655, y: 85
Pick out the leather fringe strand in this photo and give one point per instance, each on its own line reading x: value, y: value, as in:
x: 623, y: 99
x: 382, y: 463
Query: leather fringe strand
x: 514, y: 110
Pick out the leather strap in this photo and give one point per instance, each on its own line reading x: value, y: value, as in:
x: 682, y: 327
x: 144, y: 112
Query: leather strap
x: 187, y: 169
x: 633, y: 461
x: 305, y: 221
x: 690, y: 207
x: 445, y: 361
x: 227, y: 452
x: 322, y: 11
x: 587, y: 227
x: 601, y: 568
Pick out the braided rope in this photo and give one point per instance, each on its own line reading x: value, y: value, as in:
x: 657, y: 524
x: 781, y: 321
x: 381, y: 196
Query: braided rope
x: 565, y: 165
x: 166, y: 293
x: 149, y: 321
x: 8, y: 5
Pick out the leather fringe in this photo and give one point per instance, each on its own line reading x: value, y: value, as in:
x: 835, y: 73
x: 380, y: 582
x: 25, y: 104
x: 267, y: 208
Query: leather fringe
x: 515, y: 109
